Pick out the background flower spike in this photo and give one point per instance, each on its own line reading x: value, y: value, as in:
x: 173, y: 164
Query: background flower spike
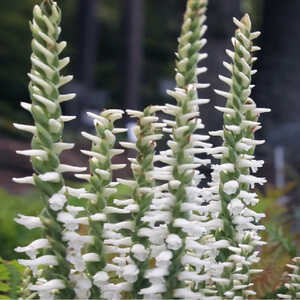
x: 231, y: 179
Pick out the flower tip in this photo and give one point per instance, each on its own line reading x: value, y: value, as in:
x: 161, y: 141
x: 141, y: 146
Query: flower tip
x: 246, y: 21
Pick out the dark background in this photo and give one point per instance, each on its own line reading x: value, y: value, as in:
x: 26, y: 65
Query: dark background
x: 123, y: 57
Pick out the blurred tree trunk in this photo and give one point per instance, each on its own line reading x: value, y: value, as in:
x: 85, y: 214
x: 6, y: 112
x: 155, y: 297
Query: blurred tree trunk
x: 278, y: 85
x: 88, y: 41
x: 133, y: 29
x: 87, y: 30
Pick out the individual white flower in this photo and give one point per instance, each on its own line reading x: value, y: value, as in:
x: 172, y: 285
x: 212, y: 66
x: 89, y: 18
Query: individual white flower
x: 100, y: 279
x: 46, y: 260
x: 70, y: 222
x: 82, y: 285
x: 230, y: 187
x: 236, y: 206
x: 47, y: 289
x: 156, y: 235
x: 139, y: 251
x: 164, y: 258
x: 50, y: 177
x: 174, y: 242
x: 33, y: 248
x: 91, y: 257
x: 57, y: 201
x: 130, y: 273
x: 251, y: 180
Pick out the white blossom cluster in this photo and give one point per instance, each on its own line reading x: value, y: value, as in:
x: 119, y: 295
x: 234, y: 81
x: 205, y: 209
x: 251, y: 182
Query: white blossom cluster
x: 148, y: 132
x: 232, y: 179
x: 75, y: 244
x: 105, y: 231
x: 170, y: 238
x: 177, y: 217
x: 45, y: 108
x: 121, y: 271
x: 293, y: 286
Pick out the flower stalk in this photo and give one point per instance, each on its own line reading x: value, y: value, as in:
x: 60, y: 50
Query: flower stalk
x: 101, y: 188
x: 148, y: 132
x: 45, y: 81
x: 232, y: 179
x: 169, y: 278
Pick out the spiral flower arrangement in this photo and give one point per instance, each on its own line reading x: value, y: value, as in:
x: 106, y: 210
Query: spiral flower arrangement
x: 169, y: 238
x: 182, y: 252
x: 148, y: 132
x: 232, y: 179
x: 98, y: 193
x: 48, y: 255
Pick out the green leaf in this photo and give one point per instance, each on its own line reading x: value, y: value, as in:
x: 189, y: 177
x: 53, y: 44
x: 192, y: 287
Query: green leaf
x: 4, y: 287
x: 15, y: 280
x: 4, y: 274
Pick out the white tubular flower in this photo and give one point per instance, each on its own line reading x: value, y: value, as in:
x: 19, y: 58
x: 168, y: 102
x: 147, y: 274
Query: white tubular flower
x: 33, y: 264
x: 174, y: 242
x: 231, y: 184
x: 47, y: 289
x: 50, y: 177
x: 139, y: 252
x: 82, y: 285
x: 29, y: 222
x: 100, y: 279
x: 58, y: 200
x: 115, y: 290
x: 32, y: 249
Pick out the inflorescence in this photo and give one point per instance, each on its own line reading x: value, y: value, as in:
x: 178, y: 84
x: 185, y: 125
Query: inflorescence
x: 170, y: 237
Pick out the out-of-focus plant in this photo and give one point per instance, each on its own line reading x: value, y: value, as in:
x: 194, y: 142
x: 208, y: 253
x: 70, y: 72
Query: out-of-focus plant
x: 282, y: 245
x: 10, y: 279
x: 12, y: 234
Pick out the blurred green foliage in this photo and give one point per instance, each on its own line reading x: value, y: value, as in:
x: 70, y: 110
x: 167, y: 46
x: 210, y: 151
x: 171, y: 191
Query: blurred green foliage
x: 282, y: 242
x: 10, y: 279
x: 12, y: 234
